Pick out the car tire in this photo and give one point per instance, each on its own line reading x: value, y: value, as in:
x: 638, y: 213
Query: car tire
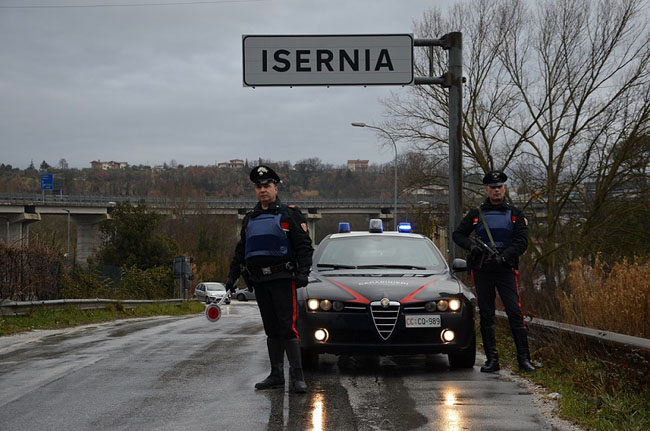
x: 464, y: 358
x: 241, y: 297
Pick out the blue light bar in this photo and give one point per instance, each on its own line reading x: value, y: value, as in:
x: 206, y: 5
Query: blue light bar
x: 344, y: 227
x: 404, y: 227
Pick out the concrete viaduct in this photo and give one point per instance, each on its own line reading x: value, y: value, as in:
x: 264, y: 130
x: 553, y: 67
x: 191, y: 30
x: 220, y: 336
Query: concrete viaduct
x: 19, y: 211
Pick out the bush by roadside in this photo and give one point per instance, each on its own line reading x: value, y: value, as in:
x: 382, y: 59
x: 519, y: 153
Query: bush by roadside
x: 615, y: 298
x: 135, y: 283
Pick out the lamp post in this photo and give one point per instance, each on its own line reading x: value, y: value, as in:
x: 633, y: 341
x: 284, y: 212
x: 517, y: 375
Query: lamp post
x: 394, y: 146
x: 67, y: 244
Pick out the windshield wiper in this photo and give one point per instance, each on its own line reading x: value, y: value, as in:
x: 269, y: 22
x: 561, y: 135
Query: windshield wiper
x: 390, y: 266
x: 335, y: 266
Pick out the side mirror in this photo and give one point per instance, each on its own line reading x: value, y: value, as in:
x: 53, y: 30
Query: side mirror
x: 459, y: 265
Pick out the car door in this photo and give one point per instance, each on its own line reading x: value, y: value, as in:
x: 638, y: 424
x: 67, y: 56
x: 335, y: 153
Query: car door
x: 199, y: 292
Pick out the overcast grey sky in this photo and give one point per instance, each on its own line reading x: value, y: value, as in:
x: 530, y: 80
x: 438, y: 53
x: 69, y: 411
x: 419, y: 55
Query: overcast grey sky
x: 148, y: 84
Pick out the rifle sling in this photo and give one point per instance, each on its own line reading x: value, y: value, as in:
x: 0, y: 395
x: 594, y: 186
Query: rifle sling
x: 487, y: 228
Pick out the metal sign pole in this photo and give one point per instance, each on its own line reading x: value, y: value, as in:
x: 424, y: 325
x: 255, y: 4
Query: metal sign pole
x: 453, y: 79
x: 455, y: 47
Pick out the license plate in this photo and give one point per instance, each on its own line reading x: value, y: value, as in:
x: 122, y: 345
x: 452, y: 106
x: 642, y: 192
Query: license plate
x: 422, y: 321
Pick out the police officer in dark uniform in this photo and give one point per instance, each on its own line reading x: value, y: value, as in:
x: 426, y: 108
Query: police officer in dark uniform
x: 502, y: 228
x: 275, y: 253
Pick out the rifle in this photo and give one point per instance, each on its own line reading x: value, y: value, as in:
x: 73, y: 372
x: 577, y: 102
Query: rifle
x: 491, y: 253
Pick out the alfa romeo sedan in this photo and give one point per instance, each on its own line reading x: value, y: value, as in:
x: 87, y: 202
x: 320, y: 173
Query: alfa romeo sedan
x: 385, y: 293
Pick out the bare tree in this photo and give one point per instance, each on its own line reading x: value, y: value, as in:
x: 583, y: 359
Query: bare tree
x: 557, y: 95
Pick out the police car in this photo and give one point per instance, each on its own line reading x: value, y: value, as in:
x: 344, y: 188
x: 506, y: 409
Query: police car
x: 385, y: 293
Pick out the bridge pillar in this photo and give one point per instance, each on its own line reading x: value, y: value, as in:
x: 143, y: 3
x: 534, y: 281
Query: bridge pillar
x: 312, y: 218
x: 16, y: 227
x: 241, y: 213
x: 88, y: 238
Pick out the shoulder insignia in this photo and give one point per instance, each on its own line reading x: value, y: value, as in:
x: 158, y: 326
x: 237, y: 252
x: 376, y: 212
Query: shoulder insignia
x: 303, y: 226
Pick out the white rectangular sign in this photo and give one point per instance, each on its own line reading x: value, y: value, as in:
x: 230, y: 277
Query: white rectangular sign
x: 328, y: 60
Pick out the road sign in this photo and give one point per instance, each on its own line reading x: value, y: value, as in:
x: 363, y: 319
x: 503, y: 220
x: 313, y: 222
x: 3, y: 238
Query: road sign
x: 47, y: 181
x: 328, y: 60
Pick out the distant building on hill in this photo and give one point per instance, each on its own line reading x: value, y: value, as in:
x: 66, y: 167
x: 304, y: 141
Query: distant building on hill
x: 358, y: 165
x: 233, y: 163
x: 104, y: 166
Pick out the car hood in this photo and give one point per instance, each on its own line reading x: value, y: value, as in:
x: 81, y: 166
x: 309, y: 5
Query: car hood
x: 364, y: 288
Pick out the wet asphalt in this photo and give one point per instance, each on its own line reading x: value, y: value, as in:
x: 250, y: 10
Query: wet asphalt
x: 185, y: 373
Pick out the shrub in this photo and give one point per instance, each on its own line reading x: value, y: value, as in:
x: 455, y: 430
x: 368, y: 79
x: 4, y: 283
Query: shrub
x: 29, y: 272
x: 85, y: 283
x: 152, y: 283
x: 613, y: 299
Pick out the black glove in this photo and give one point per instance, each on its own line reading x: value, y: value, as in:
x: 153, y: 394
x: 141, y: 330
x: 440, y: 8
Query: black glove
x: 302, y: 280
x: 230, y: 285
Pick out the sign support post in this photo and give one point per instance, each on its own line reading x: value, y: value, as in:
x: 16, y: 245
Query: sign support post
x: 365, y: 60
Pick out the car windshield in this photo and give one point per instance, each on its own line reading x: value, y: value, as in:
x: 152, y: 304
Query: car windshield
x: 215, y: 287
x: 379, y: 251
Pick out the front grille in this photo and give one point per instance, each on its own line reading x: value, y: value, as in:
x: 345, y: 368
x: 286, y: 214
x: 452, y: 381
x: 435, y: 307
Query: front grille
x: 384, y: 318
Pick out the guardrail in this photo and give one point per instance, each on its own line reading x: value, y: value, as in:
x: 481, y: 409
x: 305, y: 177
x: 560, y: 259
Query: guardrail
x: 596, y: 334
x: 19, y: 308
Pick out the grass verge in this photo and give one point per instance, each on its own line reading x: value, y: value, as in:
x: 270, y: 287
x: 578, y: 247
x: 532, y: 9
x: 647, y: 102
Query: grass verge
x: 72, y: 316
x: 602, y: 387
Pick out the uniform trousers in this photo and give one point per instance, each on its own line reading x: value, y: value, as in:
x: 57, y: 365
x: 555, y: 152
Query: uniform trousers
x: 507, y: 284
x: 276, y: 300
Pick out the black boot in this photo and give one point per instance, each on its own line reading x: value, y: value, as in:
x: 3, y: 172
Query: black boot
x: 523, y: 353
x: 490, y: 346
x: 297, y: 381
x: 276, y: 356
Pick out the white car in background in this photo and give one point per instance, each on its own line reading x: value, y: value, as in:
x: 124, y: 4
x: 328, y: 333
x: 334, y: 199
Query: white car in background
x: 211, y: 291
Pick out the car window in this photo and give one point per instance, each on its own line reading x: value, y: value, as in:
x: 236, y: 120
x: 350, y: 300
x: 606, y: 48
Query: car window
x: 380, y: 250
x: 215, y: 287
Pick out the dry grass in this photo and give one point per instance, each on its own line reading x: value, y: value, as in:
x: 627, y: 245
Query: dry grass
x: 614, y: 299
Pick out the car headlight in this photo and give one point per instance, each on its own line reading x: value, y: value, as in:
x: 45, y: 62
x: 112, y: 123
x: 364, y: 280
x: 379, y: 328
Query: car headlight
x: 454, y: 304
x: 443, y: 305
x: 313, y: 304
x: 326, y: 305
x: 430, y: 306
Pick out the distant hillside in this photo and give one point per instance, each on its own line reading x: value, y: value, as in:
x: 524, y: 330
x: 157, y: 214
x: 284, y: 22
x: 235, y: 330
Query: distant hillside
x: 303, y: 180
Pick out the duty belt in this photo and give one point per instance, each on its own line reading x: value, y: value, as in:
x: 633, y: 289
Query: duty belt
x: 268, y: 270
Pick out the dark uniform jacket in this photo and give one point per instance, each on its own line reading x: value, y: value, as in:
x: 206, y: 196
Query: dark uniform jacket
x: 461, y: 235
x: 300, y: 254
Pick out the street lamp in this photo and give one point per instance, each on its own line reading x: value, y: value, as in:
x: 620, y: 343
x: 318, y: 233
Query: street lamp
x: 394, y: 146
x: 67, y: 246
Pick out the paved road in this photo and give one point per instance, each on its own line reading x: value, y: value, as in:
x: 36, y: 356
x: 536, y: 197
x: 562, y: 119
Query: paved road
x: 188, y: 374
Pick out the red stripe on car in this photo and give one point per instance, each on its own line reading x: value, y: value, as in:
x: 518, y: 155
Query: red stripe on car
x: 357, y: 297
x: 411, y: 296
